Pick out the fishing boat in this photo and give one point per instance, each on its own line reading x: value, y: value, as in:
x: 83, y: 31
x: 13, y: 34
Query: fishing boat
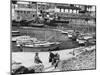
x: 36, y: 25
x: 15, y: 33
x: 15, y: 38
x: 32, y: 44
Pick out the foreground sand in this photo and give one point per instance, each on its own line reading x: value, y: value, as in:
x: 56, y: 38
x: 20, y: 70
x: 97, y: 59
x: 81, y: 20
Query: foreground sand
x: 27, y: 58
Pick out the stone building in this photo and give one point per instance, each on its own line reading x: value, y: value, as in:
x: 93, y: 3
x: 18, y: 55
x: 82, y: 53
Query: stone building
x: 75, y: 14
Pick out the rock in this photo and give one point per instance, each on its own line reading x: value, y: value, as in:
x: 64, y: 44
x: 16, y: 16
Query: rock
x: 37, y: 68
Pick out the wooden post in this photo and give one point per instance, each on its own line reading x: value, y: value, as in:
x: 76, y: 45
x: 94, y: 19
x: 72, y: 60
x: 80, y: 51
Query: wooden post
x: 45, y: 35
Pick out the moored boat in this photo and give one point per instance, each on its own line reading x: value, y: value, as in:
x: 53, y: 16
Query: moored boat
x: 36, y: 45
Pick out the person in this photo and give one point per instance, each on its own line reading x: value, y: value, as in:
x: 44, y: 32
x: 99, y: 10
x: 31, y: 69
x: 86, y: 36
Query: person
x: 51, y: 56
x: 56, y: 60
x: 37, y: 59
x: 73, y: 53
x: 21, y: 47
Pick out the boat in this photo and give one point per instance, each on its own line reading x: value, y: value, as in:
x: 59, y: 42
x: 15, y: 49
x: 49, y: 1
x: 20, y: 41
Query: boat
x: 86, y: 39
x: 14, y: 39
x: 32, y: 44
x: 15, y: 33
x: 36, y: 25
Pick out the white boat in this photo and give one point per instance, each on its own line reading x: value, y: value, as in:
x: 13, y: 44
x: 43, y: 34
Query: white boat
x: 81, y: 41
x: 33, y: 44
x: 14, y: 39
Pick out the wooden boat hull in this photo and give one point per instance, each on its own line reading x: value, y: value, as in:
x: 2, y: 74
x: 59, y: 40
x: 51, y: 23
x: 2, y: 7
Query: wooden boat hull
x: 36, y: 49
x: 36, y: 25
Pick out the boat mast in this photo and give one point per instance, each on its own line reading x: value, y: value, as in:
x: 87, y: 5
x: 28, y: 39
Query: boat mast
x: 36, y: 11
x: 45, y: 34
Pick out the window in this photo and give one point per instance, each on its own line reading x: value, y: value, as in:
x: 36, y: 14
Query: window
x: 62, y: 10
x: 28, y: 12
x: 70, y: 10
x: 66, y: 10
x: 21, y: 11
x: 24, y: 12
x: 74, y: 11
x: 33, y: 15
x: 17, y: 11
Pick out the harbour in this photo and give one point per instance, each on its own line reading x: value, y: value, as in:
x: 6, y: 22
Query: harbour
x: 52, y: 37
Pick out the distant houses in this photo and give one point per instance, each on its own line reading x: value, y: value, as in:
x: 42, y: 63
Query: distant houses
x: 75, y: 14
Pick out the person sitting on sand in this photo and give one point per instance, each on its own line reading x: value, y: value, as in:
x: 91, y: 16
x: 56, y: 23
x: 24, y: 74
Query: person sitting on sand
x: 37, y: 59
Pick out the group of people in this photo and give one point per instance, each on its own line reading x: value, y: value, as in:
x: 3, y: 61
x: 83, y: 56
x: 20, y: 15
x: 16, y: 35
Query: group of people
x: 53, y: 59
